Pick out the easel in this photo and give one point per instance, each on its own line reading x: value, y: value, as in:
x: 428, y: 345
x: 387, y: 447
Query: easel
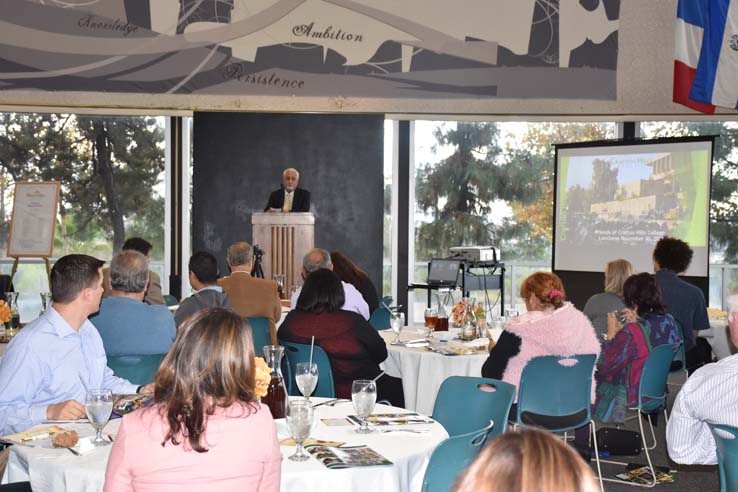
x: 16, y: 261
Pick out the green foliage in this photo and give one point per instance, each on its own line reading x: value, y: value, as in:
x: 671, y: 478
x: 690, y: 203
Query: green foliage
x: 108, y: 167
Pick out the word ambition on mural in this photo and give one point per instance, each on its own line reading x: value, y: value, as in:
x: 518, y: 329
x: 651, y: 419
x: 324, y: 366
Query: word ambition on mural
x: 309, y: 31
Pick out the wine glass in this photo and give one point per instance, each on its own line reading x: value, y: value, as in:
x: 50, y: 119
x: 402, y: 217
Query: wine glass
x: 431, y: 319
x: 99, y: 406
x: 299, y: 422
x: 364, y: 396
x: 397, y: 322
x: 511, y: 313
x: 306, y: 375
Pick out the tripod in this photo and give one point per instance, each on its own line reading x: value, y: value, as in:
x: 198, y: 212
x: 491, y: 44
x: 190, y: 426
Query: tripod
x: 257, y: 270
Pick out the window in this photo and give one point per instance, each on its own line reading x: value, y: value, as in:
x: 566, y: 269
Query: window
x: 112, y: 174
x: 723, y: 198
x: 479, y: 184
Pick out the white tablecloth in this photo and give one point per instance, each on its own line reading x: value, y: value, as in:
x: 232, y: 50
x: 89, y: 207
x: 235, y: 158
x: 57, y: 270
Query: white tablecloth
x: 422, y: 371
x: 58, y: 470
x: 719, y: 338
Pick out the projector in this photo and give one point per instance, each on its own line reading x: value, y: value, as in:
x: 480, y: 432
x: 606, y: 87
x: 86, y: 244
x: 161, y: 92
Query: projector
x: 475, y: 253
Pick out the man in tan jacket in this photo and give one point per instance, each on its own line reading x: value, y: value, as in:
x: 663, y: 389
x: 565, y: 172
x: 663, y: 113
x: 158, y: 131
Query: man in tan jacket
x: 251, y: 297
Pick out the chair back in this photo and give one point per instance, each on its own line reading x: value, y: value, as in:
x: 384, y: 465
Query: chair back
x: 296, y: 353
x: 451, y: 457
x: 555, y: 386
x: 380, y: 319
x: 465, y: 404
x: 680, y: 354
x: 726, y: 441
x: 260, y: 334
x: 170, y: 300
x: 138, y: 369
x: 652, y: 387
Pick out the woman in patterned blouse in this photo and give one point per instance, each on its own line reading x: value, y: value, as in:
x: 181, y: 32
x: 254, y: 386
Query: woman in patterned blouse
x: 647, y: 324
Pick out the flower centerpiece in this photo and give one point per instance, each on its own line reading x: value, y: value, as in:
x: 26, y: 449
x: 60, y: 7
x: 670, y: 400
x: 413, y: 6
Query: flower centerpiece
x: 5, y: 312
x: 263, y: 376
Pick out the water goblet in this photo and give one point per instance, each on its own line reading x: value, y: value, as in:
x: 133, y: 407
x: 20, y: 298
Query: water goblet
x: 397, y: 322
x: 364, y: 396
x: 511, y: 313
x: 299, y: 417
x: 431, y: 319
x: 306, y: 375
x: 99, y: 406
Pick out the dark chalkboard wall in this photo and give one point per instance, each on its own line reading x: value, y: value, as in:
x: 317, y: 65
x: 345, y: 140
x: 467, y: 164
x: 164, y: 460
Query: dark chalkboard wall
x: 239, y: 158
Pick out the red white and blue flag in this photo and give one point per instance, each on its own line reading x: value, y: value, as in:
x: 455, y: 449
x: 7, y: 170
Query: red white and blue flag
x: 716, y: 79
x: 690, y: 28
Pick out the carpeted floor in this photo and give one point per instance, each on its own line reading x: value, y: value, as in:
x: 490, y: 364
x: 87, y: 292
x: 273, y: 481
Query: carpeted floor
x: 686, y: 478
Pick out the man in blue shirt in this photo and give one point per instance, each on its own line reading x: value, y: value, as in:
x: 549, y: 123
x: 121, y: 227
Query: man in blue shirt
x: 683, y: 300
x: 127, y: 325
x: 49, y: 366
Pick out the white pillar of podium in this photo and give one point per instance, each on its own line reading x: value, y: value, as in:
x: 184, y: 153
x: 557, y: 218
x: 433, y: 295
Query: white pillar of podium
x: 285, y: 239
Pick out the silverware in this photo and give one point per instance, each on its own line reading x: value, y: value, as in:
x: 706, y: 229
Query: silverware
x: 412, y: 431
x: 327, y: 402
x: 76, y: 453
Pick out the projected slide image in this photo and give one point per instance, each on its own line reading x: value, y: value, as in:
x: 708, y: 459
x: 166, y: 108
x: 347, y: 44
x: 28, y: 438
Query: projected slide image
x: 609, y: 203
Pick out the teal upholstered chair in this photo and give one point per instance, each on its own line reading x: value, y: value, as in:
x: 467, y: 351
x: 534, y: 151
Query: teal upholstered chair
x: 138, y: 369
x: 260, y: 333
x: 451, y: 457
x: 465, y: 404
x: 296, y: 353
x: 380, y: 319
x: 726, y: 440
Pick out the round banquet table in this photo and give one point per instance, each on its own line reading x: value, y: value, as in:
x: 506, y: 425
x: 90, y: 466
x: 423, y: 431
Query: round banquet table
x: 422, y: 371
x: 58, y: 470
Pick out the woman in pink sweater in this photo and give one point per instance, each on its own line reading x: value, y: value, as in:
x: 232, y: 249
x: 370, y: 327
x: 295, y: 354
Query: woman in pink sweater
x: 206, y: 430
x: 550, y: 327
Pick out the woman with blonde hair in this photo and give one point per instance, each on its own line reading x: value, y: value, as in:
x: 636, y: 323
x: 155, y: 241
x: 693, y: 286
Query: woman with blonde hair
x: 611, y: 300
x: 205, y: 430
x: 528, y: 460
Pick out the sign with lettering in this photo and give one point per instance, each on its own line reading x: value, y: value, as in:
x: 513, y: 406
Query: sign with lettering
x: 366, y: 48
x: 33, y: 222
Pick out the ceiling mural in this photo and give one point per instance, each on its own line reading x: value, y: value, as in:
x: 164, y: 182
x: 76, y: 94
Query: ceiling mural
x: 353, y: 48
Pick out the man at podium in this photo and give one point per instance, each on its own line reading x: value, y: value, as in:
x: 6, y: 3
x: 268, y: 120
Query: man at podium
x: 289, y: 198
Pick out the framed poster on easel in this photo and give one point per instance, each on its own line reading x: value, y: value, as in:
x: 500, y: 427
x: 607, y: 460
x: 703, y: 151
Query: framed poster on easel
x: 33, y: 223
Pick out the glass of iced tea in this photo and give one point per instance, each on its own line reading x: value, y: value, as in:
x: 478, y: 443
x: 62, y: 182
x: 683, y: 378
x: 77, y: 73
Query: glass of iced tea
x: 431, y: 318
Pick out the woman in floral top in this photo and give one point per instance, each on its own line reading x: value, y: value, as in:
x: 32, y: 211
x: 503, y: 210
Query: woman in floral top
x: 627, y: 347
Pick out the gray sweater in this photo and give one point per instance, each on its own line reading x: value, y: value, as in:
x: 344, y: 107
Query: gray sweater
x: 206, y: 298
x: 597, y: 308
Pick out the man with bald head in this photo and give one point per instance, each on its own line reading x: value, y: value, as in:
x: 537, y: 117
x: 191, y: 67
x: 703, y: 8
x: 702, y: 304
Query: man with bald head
x: 289, y: 198
x: 318, y: 258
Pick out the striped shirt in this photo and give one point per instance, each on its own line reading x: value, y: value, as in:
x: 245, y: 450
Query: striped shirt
x: 710, y: 395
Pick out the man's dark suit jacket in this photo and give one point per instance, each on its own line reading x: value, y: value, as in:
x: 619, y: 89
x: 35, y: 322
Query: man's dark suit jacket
x: 300, y: 200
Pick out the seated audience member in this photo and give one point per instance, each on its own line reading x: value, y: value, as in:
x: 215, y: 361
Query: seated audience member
x: 317, y: 259
x: 48, y: 365
x: 126, y: 324
x: 682, y: 300
x: 354, y: 348
x: 153, y: 291
x: 600, y: 305
x: 204, y: 279
x: 550, y: 327
x: 529, y: 460
x: 206, y: 429
x: 626, y: 348
x: 708, y: 397
x: 350, y: 273
x: 250, y: 296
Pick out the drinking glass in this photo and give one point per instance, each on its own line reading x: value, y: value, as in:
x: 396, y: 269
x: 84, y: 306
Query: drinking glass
x: 511, y: 313
x: 306, y: 375
x: 364, y: 396
x: 299, y: 422
x: 397, y: 322
x: 99, y: 406
x: 431, y: 319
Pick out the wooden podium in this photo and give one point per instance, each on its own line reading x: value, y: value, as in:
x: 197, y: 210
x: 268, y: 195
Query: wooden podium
x: 285, y: 239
